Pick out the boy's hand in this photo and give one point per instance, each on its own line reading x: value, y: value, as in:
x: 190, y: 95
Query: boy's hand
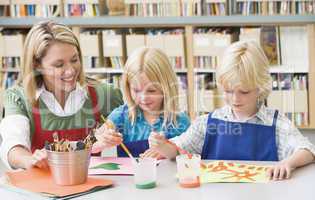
x: 156, y: 139
x: 280, y: 171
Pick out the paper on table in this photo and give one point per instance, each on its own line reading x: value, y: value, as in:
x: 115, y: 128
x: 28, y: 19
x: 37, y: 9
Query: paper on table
x: 40, y: 181
x: 225, y: 171
x: 111, y: 166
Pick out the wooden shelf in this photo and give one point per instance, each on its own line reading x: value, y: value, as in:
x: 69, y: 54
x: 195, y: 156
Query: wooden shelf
x: 10, y: 70
x: 104, y: 70
x: 306, y: 128
x: 286, y: 69
x: 189, y: 24
x: 201, y: 70
x: 129, y: 22
x: 273, y: 69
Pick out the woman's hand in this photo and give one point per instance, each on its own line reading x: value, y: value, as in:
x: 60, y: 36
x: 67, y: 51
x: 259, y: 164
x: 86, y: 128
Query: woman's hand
x: 106, y: 137
x: 280, y: 171
x: 37, y: 159
x: 156, y: 139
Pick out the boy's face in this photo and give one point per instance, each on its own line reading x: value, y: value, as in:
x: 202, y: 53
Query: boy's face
x: 146, y: 94
x: 241, y: 100
x: 60, y: 67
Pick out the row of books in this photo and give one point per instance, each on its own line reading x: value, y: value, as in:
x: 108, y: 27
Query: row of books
x: 50, y: 8
x: 274, y: 7
x: 152, y: 8
x: 36, y: 10
x: 209, y: 45
x: 110, y: 48
x: 91, y: 61
x: 289, y: 95
x: 8, y: 79
x: 289, y: 81
x: 10, y: 62
x: 88, y: 9
x: 299, y: 119
x: 215, y: 8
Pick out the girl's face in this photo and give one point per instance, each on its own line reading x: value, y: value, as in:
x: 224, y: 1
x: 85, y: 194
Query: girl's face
x: 60, y: 67
x: 146, y: 94
x: 242, y: 100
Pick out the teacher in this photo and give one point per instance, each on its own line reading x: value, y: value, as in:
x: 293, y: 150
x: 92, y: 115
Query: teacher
x: 52, y: 95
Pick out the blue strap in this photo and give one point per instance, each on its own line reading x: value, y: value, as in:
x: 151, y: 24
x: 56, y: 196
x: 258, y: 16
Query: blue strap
x: 275, y: 118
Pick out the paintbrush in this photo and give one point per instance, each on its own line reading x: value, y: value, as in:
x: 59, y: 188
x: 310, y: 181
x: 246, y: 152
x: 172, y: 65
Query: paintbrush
x: 112, y: 126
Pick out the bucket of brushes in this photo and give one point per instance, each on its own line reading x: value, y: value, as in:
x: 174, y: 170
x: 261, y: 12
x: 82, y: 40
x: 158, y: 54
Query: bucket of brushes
x: 69, y: 160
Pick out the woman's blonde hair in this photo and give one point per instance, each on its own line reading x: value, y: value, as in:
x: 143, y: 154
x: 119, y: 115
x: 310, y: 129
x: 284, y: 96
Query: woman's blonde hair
x: 157, y: 67
x: 38, y: 40
x: 245, y: 64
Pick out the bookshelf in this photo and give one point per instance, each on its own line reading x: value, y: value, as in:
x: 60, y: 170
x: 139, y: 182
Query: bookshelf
x: 189, y: 24
x: 132, y: 22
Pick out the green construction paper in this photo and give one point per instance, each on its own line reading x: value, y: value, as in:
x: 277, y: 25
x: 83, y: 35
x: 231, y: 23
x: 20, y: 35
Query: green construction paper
x: 107, y: 166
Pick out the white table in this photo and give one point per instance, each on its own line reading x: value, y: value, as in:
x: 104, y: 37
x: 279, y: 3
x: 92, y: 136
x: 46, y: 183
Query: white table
x: 301, y: 186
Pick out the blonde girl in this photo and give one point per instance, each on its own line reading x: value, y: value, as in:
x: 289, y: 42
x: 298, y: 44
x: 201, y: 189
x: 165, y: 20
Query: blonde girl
x: 150, y: 90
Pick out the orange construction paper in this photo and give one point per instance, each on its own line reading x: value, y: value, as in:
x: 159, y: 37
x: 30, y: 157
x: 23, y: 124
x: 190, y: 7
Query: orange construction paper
x: 41, y: 181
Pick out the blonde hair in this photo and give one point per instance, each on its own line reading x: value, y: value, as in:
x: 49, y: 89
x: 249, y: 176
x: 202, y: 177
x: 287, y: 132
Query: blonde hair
x: 245, y: 64
x: 157, y: 67
x: 38, y: 40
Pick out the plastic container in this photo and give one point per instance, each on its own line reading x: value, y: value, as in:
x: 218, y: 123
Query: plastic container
x: 188, y: 170
x: 145, y: 173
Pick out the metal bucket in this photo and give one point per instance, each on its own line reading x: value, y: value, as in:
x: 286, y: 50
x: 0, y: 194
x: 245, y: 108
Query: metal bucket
x: 69, y: 168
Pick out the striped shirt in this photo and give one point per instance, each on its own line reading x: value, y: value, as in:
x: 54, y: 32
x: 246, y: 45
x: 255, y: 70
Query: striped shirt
x: 288, y: 138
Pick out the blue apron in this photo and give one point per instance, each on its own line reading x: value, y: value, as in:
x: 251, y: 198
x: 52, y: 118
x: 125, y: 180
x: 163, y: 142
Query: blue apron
x: 135, y: 147
x: 226, y: 140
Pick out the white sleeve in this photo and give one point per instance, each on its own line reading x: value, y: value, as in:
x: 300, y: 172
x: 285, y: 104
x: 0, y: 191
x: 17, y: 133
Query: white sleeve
x: 290, y: 139
x: 193, y: 139
x: 14, y: 130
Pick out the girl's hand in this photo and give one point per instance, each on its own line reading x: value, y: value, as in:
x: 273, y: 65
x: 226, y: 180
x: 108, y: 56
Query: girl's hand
x: 280, y: 171
x: 38, y: 159
x: 106, y: 137
x: 152, y: 153
x: 156, y: 139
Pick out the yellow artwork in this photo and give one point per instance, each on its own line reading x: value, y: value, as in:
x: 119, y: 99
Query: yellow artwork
x: 231, y: 172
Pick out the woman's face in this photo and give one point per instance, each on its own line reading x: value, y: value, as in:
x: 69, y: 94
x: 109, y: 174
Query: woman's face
x: 146, y: 94
x: 60, y: 68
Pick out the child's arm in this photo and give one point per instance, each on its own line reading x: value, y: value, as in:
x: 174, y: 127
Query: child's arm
x: 294, y: 150
x: 158, y: 143
x: 192, y: 140
x: 300, y: 158
x: 106, y: 137
x: 285, y: 167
